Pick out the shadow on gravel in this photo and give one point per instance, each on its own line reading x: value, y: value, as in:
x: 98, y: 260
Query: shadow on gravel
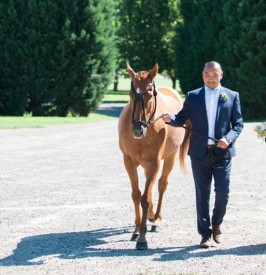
x: 36, y: 250
x: 70, y: 245
x: 184, y: 253
x: 113, y: 110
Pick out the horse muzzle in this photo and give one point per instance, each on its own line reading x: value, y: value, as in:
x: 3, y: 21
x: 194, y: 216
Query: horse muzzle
x: 139, y: 129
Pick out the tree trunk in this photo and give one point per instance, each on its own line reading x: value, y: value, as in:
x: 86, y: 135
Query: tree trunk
x: 116, y: 81
x: 173, y: 78
x: 115, y: 86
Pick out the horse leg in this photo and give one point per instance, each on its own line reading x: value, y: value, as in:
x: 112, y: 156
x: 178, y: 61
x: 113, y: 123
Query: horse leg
x: 162, y: 185
x: 151, y: 213
x: 151, y: 171
x: 136, y: 193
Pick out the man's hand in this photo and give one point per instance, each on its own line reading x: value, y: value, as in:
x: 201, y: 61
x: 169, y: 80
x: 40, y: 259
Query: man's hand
x: 166, y: 117
x: 223, y: 143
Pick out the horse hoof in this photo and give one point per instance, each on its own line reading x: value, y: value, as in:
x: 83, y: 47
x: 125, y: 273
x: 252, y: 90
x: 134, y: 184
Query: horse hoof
x: 155, y: 228
x: 142, y: 246
x: 134, y: 237
x: 151, y: 219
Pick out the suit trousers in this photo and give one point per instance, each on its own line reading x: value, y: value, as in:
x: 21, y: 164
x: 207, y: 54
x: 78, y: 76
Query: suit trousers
x: 203, y: 174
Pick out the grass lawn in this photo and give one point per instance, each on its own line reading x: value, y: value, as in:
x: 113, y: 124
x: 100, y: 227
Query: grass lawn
x: 116, y: 97
x: 13, y: 122
x: 124, y: 86
x: 121, y: 96
x: 124, y: 83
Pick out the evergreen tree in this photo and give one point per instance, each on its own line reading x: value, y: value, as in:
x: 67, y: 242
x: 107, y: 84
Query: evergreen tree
x: 13, y: 95
x: 66, y: 54
x: 197, y: 39
x: 147, y: 31
x: 93, y: 52
x: 244, y: 54
x: 232, y: 33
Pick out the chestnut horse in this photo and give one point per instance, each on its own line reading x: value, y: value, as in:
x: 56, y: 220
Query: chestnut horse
x: 145, y: 140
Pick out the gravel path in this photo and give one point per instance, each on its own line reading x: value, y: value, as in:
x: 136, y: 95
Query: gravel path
x: 65, y: 208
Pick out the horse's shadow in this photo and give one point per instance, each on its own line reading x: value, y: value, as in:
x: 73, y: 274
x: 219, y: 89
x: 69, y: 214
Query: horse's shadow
x: 34, y: 250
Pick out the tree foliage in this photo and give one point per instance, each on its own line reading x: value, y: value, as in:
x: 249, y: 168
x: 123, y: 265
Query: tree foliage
x: 13, y: 95
x: 146, y: 31
x: 232, y: 33
x: 197, y: 39
x: 244, y: 53
x: 57, y: 56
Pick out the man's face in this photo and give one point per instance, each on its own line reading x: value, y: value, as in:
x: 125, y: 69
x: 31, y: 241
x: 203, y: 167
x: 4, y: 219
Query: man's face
x: 212, y: 76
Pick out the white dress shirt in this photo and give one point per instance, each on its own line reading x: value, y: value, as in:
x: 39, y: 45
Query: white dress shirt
x: 211, y: 100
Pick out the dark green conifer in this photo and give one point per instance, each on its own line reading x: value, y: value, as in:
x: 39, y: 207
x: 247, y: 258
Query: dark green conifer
x: 60, y: 55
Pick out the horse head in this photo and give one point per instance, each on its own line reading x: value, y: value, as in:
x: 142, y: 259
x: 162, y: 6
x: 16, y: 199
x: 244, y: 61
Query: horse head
x: 142, y: 99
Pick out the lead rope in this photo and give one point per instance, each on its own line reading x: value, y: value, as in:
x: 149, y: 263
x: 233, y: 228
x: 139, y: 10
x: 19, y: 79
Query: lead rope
x: 211, y: 153
x: 155, y: 120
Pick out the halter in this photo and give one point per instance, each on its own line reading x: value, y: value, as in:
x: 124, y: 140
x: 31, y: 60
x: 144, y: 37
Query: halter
x: 140, y: 97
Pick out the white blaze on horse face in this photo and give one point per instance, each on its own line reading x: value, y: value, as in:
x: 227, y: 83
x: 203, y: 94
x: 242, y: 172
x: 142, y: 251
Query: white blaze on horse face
x: 138, y: 91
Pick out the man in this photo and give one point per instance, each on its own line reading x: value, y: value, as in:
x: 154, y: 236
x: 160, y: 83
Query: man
x: 216, y: 118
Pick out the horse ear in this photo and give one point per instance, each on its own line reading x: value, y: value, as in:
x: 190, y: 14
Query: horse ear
x: 154, y: 71
x: 131, y: 72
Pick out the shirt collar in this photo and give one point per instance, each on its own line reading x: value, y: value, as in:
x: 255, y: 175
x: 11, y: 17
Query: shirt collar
x: 212, y: 91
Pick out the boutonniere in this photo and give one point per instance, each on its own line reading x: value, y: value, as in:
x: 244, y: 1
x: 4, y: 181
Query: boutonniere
x: 223, y: 96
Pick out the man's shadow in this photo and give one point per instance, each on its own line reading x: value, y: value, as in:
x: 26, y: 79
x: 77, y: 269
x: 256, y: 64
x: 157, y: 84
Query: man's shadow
x: 184, y: 253
x: 77, y: 245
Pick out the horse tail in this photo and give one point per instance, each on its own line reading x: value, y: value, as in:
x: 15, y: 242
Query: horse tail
x: 184, y: 148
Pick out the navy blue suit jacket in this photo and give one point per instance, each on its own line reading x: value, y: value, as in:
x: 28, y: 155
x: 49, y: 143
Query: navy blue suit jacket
x: 229, y: 120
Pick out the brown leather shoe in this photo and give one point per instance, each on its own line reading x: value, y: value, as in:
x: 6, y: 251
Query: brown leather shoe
x: 205, y: 242
x: 217, y: 234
